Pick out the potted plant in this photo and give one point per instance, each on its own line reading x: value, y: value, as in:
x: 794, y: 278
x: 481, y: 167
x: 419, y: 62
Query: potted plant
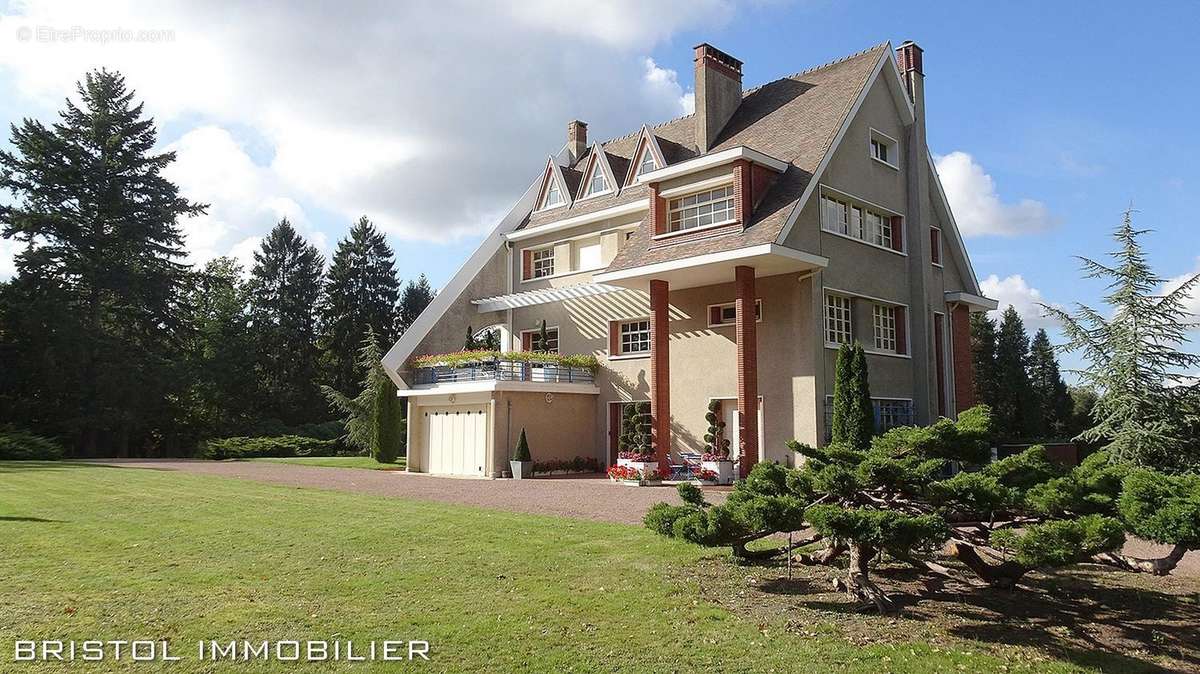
x: 625, y: 475
x: 521, y: 463
x: 706, y: 476
x: 715, y: 458
x: 652, y: 478
x: 634, y: 442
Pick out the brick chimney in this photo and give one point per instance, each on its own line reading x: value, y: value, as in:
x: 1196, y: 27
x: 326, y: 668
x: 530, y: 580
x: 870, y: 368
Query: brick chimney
x: 908, y: 57
x: 577, y: 139
x: 718, y: 93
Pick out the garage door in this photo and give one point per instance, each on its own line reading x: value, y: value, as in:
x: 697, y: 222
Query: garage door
x: 456, y: 439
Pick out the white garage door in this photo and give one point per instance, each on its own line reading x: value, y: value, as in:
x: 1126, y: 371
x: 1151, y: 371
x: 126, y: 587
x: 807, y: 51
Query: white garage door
x: 456, y: 439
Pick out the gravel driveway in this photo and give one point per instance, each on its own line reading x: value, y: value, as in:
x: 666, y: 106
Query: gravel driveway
x: 589, y: 498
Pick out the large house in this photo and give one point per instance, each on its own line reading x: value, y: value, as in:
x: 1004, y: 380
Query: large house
x: 722, y: 256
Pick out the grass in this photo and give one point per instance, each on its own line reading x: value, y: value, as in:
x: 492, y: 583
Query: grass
x: 95, y: 552
x: 338, y: 462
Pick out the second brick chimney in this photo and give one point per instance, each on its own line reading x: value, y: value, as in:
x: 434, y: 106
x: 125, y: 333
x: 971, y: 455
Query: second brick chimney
x: 718, y: 93
x: 577, y: 139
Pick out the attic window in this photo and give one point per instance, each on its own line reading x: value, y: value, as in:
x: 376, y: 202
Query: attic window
x: 885, y: 149
x: 554, y: 195
x: 598, y: 182
x: 647, y: 163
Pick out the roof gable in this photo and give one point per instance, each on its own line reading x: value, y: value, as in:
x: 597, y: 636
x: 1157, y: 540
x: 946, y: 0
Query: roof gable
x: 554, y: 192
x: 647, y: 146
x: 597, y: 162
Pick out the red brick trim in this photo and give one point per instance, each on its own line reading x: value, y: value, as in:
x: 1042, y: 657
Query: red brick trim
x: 660, y: 372
x: 614, y: 338
x: 964, y: 375
x: 743, y: 191
x: 658, y: 211
x: 526, y: 264
x: 747, y: 367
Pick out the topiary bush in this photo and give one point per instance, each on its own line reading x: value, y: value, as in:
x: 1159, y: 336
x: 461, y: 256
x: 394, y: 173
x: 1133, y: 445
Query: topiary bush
x: 521, y: 451
x: 18, y: 445
x: 279, y: 446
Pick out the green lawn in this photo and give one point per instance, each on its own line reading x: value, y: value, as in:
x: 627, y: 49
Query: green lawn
x: 93, y: 552
x: 339, y: 462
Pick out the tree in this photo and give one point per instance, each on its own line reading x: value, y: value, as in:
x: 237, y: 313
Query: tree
x: 470, y: 344
x: 715, y: 442
x: 1053, y: 400
x: 983, y: 358
x: 417, y: 295
x: 853, y: 413
x: 541, y: 341
x: 1016, y: 413
x: 635, y: 430
x: 1134, y: 358
x: 372, y: 418
x: 100, y: 279
x: 220, y: 356
x: 1001, y: 520
x: 361, y: 290
x: 285, y: 292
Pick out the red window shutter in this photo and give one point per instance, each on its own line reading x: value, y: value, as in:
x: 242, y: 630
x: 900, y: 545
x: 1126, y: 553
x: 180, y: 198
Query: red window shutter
x: 714, y: 315
x: 614, y: 338
x: 526, y: 264
x: 527, y: 341
x: 935, y: 246
x: 901, y: 331
x: 897, y: 233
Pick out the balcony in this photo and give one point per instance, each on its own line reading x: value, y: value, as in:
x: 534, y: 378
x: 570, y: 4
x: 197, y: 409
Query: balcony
x: 500, y: 369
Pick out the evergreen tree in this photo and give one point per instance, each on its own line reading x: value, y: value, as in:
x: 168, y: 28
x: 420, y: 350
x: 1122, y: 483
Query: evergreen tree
x: 417, y: 295
x: 843, y: 395
x: 983, y: 358
x: 285, y: 292
x: 470, y: 344
x: 1134, y: 358
x: 100, y: 279
x: 541, y: 341
x: 853, y: 413
x: 1049, y: 390
x: 1015, y: 409
x: 361, y: 290
x: 863, y: 411
x: 222, y: 398
x: 372, y: 418
x: 389, y: 422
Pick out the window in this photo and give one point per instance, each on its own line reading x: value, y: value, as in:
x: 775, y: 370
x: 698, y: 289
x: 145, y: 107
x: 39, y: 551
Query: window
x: 889, y: 413
x: 635, y: 337
x: 554, y: 195
x: 884, y: 149
x: 884, y: 320
x: 935, y: 245
x: 838, y: 328
x: 647, y: 163
x: 699, y: 210
x: 529, y: 340
x: 543, y: 263
x: 726, y: 314
x: 859, y: 222
x: 598, y: 182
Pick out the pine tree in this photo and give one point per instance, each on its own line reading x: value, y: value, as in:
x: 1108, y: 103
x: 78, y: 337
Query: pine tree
x: 1015, y: 409
x: 361, y: 290
x: 101, y: 269
x: 389, y: 422
x: 417, y: 295
x: 853, y: 412
x: 983, y: 358
x: 541, y: 340
x: 1134, y: 357
x: 843, y: 395
x: 285, y: 291
x: 373, y: 417
x: 1050, y: 392
x: 470, y: 344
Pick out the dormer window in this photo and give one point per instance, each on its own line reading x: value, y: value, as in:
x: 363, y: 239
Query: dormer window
x: 647, y: 163
x: 885, y: 149
x: 598, y: 182
x: 554, y: 195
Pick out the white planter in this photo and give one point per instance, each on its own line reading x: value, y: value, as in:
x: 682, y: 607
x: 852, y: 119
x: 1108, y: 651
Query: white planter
x: 641, y: 466
x: 723, y: 469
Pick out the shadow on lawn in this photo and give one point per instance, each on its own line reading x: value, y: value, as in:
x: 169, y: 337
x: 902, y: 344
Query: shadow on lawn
x: 1091, y: 617
x: 4, y: 518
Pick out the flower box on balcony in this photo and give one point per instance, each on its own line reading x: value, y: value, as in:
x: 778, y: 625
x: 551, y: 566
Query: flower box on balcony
x: 722, y: 466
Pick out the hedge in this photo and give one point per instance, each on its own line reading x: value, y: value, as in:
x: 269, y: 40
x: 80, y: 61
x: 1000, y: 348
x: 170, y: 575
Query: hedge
x: 17, y: 445
x: 278, y: 446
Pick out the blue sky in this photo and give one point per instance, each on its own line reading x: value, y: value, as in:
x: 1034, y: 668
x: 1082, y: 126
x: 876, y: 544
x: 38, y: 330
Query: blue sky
x: 432, y: 120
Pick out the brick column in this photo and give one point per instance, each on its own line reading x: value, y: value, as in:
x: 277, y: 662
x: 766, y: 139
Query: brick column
x: 964, y: 374
x: 660, y: 373
x: 747, y: 368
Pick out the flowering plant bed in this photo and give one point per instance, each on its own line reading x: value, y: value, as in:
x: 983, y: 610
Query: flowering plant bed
x: 624, y: 474
x: 638, y: 457
x: 459, y: 358
x: 652, y: 477
x: 706, y: 476
x: 714, y: 457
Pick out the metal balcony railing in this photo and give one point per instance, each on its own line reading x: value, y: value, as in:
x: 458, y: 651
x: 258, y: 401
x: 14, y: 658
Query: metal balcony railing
x: 502, y: 370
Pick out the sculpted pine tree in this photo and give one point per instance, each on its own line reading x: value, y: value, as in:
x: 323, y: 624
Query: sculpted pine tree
x: 93, y: 307
x: 1049, y: 390
x: 361, y: 290
x: 285, y: 292
x: 1133, y: 357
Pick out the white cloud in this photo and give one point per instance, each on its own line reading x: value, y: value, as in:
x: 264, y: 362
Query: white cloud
x: 430, y: 119
x: 977, y: 207
x: 8, y: 251
x: 664, y: 83
x: 1015, y: 291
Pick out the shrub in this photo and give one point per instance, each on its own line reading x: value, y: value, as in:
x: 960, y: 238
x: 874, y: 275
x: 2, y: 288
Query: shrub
x: 280, y: 446
x: 16, y: 445
x: 521, y: 453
